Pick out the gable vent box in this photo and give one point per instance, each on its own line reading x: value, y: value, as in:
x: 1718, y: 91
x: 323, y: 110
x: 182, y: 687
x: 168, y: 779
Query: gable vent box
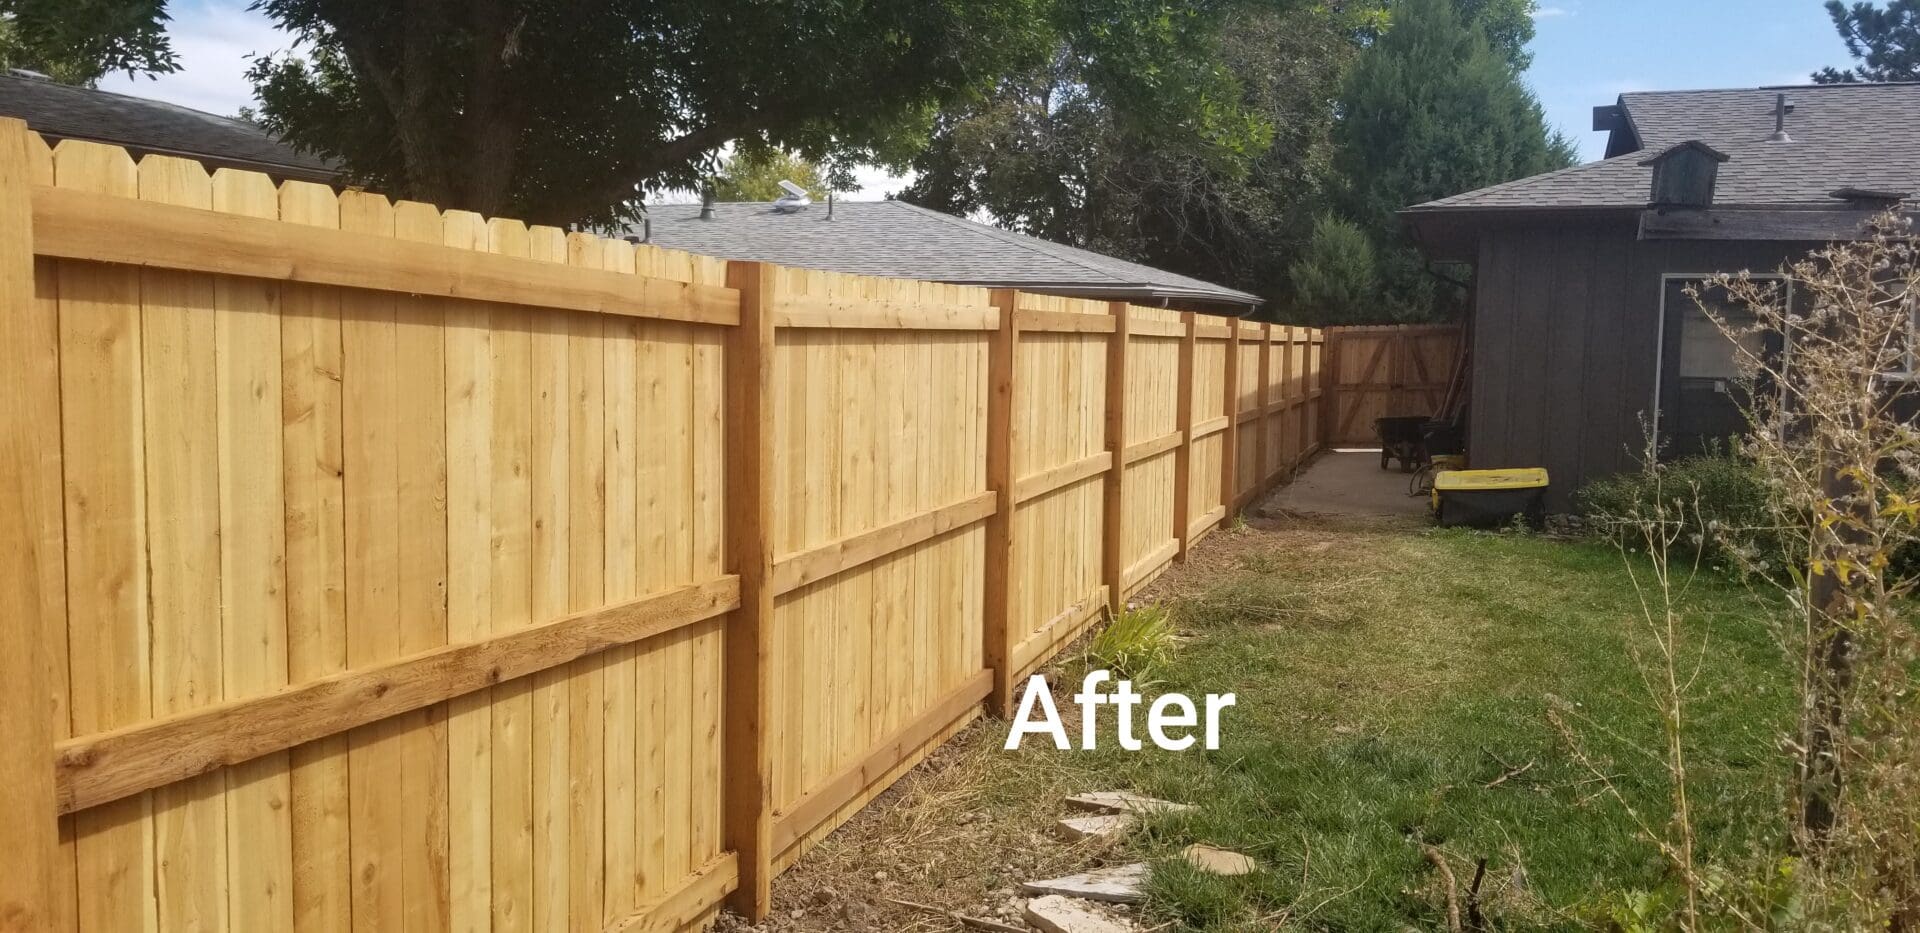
x: 1685, y: 176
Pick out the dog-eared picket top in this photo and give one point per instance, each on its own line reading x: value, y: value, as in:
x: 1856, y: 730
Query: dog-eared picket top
x: 374, y: 566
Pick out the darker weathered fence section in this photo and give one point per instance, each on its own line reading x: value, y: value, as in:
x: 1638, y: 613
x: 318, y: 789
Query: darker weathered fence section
x: 369, y: 566
x: 1385, y: 372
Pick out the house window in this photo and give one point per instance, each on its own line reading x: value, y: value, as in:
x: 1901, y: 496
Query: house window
x: 1701, y: 399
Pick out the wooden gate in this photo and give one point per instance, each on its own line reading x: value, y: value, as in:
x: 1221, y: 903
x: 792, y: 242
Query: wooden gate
x: 1386, y: 372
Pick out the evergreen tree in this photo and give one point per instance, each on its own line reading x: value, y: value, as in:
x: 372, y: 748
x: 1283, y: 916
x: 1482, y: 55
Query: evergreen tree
x: 1337, y: 278
x: 1886, y: 43
x: 1199, y: 147
x: 1433, y: 109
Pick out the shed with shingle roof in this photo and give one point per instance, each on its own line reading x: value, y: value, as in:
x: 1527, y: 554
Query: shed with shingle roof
x: 1583, y: 333
x: 142, y: 125
x: 901, y: 240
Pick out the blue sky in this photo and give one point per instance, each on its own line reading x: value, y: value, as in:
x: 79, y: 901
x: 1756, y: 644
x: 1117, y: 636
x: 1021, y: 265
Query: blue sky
x: 1590, y: 51
x: 1587, y: 53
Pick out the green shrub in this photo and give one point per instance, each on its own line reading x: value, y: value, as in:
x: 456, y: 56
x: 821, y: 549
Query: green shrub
x: 1137, y: 643
x: 1721, y: 496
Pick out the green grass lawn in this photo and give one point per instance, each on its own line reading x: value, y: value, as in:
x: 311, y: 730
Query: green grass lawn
x: 1384, y: 681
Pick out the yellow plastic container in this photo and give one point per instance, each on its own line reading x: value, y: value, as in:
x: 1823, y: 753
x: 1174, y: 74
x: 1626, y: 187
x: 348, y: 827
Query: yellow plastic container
x: 1490, y: 498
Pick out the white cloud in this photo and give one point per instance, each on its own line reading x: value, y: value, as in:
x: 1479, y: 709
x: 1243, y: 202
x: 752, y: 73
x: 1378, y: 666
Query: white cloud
x: 213, y: 41
x: 876, y: 183
x: 1550, y: 12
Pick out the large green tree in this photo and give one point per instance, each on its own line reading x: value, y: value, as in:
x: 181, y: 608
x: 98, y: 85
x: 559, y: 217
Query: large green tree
x: 558, y: 110
x: 1338, y: 274
x: 755, y: 175
x: 1199, y: 147
x: 561, y: 111
x: 81, y: 41
x: 1884, y: 42
x: 1434, y: 108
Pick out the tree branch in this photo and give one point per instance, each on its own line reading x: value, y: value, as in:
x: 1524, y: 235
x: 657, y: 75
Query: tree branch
x: 644, y: 163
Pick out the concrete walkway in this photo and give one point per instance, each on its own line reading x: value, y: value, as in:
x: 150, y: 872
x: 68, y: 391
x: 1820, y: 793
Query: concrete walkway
x: 1348, y: 485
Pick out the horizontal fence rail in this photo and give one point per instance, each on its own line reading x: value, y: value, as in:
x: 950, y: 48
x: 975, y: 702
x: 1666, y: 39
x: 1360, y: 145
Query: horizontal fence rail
x: 381, y: 567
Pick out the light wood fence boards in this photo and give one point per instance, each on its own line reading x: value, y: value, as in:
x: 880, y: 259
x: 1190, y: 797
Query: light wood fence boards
x: 1153, y: 436
x: 532, y: 580
x: 1386, y: 372
x: 1059, y: 468
x: 879, y: 495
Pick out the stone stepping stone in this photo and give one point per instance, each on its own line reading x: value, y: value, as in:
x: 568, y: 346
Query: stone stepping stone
x: 1102, y: 826
x: 1120, y: 801
x: 1120, y: 885
x: 1219, y: 861
x: 1056, y: 914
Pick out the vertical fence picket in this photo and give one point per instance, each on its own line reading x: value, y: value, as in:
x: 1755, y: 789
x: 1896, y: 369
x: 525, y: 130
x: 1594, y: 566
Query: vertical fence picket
x: 248, y: 324
x: 421, y: 461
x: 29, y: 844
x: 310, y: 359
x: 102, y: 430
x: 586, y: 502
x: 178, y: 374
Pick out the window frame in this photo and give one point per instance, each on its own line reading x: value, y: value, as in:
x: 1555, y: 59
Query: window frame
x: 1660, y: 330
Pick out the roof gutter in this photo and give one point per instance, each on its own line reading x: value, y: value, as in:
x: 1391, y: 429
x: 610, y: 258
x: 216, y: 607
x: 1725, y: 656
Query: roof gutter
x: 1150, y: 293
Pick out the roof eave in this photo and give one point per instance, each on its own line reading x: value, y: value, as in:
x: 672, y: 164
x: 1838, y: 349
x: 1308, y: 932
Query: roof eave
x: 1132, y: 291
x: 1452, y: 234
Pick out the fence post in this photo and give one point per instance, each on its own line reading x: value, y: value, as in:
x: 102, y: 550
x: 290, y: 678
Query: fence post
x: 1230, y: 441
x: 1302, y: 380
x: 748, y: 794
x: 29, y: 840
x: 1183, y: 422
x: 1113, y: 560
x: 1002, y: 352
x: 1283, y: 404
x: 1262, y: 469
x: 1329, y: 402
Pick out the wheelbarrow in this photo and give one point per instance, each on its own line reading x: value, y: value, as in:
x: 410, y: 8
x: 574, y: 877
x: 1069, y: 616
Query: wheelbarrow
x: 1402, y: 439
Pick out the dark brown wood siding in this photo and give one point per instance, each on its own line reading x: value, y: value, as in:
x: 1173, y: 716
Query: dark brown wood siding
x: 1566, y: 336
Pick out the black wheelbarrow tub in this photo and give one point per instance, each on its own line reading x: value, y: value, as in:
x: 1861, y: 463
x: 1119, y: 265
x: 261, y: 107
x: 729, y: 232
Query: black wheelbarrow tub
x: 1402, y: 439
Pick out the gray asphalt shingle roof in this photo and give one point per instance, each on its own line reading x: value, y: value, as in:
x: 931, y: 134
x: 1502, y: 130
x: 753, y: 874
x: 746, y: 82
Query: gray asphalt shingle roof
x: 62, y: 111
x: 1844, y: 136
x: 901, y: 240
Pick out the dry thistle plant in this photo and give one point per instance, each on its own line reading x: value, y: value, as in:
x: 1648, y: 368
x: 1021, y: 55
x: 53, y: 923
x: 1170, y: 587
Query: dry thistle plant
x: 1661, y: 529
x: 1832, y: 431
x: 1832, y: 404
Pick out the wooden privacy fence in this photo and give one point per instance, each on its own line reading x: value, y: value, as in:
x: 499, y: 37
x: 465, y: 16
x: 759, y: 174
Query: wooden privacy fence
x: 1385, y: 372
x: 369, y: 566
